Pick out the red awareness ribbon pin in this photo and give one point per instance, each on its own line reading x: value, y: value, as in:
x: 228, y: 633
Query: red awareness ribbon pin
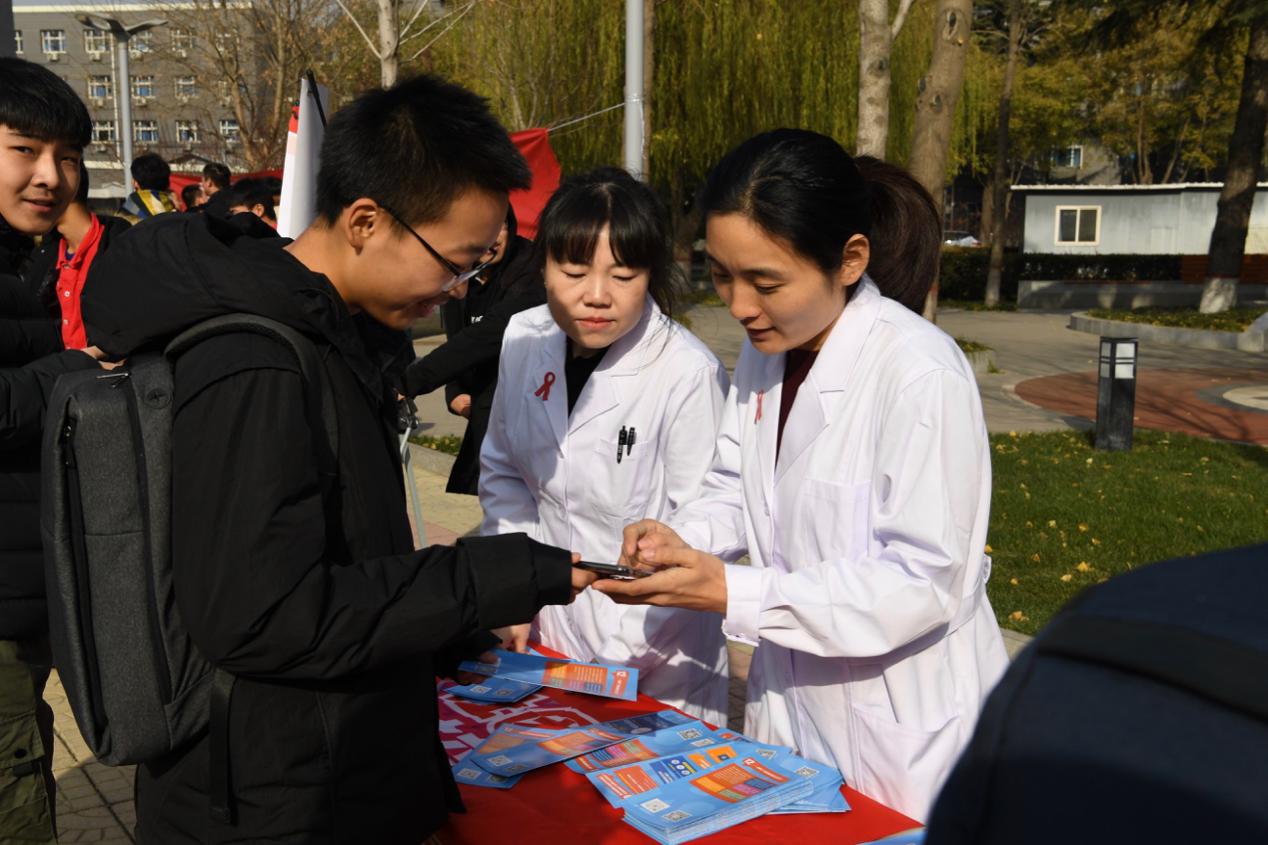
x: 758, y: 416
x: 544, y: 390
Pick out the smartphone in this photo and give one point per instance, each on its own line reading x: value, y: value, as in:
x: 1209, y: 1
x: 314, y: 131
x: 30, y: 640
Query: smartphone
x: 612, y: 570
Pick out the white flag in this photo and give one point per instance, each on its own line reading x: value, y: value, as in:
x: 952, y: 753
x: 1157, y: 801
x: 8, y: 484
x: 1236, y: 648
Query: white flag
x: 298, y: 205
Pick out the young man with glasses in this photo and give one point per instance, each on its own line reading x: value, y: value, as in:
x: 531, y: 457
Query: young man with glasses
x: 332, y: 624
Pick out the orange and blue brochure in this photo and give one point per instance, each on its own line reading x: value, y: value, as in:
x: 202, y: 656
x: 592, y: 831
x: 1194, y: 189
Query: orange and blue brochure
x: 515, y: 749
x: 590, y: 678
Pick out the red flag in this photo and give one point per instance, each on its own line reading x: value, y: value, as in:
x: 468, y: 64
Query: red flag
x: 534, y: 145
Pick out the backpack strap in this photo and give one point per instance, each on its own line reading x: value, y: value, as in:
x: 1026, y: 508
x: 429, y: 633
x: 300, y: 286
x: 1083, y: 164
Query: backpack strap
x: 321, y: 405
x: 1227, y: 672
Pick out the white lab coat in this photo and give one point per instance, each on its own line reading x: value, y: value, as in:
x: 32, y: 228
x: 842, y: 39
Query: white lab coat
x: 866, y: 598
x: 556, y: 477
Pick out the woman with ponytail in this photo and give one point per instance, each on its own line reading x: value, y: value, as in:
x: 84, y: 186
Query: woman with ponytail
x: 852, y: 467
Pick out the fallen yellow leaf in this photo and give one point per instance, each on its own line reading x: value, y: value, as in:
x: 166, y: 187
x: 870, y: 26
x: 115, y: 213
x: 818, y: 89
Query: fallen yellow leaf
x: 1083, y: 566
x: 1035, y: 557
x: 988, y: 548
x: 1052, y: 523
x: 1083, y: 527
x: 1013, y: 581
x: 1067, y: 577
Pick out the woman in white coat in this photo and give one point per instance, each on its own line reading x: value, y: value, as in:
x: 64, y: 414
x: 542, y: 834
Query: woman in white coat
x: 853, y: 468
x: 606, y: 412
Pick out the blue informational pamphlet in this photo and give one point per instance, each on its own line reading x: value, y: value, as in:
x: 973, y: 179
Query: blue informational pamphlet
x: 658, y: 743
x: 515, y: 749
x: 826, y: 800
x: 719, y: 797
x: 495, y: 690
x: 472, y: 775
x: 558, y: 673
x: 645, y: 777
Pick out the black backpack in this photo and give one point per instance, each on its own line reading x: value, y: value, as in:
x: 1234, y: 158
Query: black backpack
x: 1140, y: 714
x: 138, y: 687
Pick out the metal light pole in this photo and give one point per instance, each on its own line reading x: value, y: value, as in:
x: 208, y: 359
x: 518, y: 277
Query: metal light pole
x: 634, y: 87
x: 123, y: 78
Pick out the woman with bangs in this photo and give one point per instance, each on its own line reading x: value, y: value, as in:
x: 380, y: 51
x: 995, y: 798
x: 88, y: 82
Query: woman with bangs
x: 606, y: 413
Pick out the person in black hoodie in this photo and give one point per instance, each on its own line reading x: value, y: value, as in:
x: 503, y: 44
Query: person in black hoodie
x: 466, y: 365
x: 43, y: 129
x: 334, y: 626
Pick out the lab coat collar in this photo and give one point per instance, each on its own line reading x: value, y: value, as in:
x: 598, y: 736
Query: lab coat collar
x: 605, y: 390
x: 830, y: 374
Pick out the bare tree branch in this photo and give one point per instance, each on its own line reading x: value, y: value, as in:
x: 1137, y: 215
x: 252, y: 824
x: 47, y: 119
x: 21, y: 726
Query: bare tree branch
x: 441, y: 34
x: 414, y: 17
x: 899, y: 19
x: 368, y: 41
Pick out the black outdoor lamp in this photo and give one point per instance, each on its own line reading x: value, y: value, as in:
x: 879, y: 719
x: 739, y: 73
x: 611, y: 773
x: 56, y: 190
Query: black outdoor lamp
x: 1116, y: 394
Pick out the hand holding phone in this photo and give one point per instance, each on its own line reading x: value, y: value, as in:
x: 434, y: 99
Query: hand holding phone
x: 611, y: 570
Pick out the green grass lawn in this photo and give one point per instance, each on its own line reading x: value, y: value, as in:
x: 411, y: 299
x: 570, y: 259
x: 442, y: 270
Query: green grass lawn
x: 449, y: 443
x: 1233, y: 320
x: 1064, y: 516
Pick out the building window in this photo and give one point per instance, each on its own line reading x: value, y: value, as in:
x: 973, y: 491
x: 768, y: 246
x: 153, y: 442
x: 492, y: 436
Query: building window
x: 1069, y: 157
x: 230, y: 131
x: 103, y: 132
x: 1079, y: 224
x: 143, y: 86
x: 145, y: 131
x: 186, y: 86
x: 53, y: 41
x: 17, y: 42
x: 141, y: 43
x: 182, y: 40
x: 187, y: 131
x: 96, y: 40
x: 100, y: 87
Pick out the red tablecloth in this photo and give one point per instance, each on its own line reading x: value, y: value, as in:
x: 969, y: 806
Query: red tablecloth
x: 556, y: 806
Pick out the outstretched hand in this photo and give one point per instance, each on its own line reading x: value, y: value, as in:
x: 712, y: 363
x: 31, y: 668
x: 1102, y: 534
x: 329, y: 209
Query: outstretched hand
x: 683, y: 577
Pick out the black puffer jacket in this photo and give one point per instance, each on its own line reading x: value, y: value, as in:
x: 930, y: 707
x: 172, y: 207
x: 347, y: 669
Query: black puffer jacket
x: 30, y: 362
x: 333, y: 728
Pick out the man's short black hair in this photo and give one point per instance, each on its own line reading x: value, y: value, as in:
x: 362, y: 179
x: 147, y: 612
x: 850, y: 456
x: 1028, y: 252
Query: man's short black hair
x: 250, y: 193
x: 190, y: 195
x: 37, y: 102
x: 151, y: 172
x: 415, y: 148
x: 217, y: 173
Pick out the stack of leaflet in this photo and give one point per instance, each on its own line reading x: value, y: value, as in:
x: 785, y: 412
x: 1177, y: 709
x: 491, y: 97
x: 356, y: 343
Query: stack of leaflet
x: 722, y: 796
x: 570, y: 675
x: 649, y: 746
x: 622, y: 783
x: 514, y: 749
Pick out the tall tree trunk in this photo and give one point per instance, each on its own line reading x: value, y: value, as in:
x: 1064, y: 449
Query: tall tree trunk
x: 935, y: 106
x: 1245, y: 154
x: 389, y: 41
x: 986, y: 220
x: 999, y: 180
x: 875, y: 46
x: 649, y: 57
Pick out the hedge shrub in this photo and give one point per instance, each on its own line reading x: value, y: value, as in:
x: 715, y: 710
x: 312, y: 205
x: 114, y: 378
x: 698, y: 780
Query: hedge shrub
x: 963, y: 274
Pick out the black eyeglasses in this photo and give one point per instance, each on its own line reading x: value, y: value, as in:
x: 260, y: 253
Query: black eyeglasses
x: 459, y: 275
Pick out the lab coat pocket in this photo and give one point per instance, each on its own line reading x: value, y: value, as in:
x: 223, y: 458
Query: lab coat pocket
x: 624, y: 490
x: 898, y: 765
x: 837, y: 519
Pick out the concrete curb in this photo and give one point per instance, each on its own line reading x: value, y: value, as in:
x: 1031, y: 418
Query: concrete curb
x: 1251, y: 340
x: 431, y: 460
